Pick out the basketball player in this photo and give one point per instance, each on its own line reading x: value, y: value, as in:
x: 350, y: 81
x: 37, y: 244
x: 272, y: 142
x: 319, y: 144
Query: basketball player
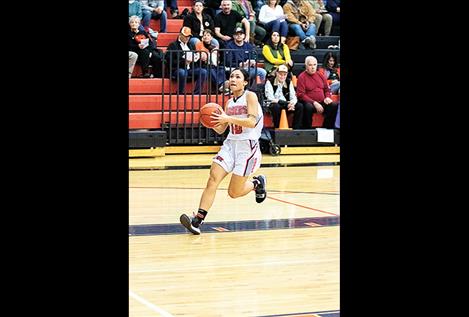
x: 240, y: 152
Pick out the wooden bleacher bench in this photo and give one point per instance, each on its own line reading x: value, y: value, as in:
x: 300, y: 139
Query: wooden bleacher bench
x: 181, y: 6
x: 174, y: 102
x: 154, y: 86
x: 164, y: 39
x: 154, y: 120
x: 172, y: 25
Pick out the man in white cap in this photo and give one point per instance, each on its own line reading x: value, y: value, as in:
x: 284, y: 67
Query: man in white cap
x: 279, y: 90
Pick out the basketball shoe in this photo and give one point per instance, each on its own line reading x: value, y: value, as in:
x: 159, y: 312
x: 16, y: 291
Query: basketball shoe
x: 259, y: 185
x: 191, y: 224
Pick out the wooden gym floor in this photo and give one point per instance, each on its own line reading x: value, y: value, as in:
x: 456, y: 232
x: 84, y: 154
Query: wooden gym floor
x: 278, y: 258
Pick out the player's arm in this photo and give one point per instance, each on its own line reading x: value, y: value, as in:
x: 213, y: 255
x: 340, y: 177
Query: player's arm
x: 221, y: 127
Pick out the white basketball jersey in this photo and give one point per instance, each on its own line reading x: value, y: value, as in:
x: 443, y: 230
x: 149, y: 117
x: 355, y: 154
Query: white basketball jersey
x: 239, y: 109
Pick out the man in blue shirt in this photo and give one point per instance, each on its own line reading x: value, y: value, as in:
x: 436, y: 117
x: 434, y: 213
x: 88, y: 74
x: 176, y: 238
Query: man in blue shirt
x: 243, y: 54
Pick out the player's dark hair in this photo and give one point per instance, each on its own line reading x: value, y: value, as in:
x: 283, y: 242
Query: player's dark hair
x: 244, y: 72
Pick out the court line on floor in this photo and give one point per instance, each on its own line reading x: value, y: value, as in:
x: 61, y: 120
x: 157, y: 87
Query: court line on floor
x: 209, y: 267
x: 236, y: 226
x: 268, y: 165
x: 336, y: 193
x: 270, y: 191
x: 298, y: 205
x: 150, y: 305
x: 329, y: 313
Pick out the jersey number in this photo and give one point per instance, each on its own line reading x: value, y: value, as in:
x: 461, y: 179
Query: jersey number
x: 236, y: 129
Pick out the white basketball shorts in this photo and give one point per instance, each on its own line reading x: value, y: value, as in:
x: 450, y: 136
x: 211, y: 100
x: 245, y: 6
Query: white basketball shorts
x: 242, y: 157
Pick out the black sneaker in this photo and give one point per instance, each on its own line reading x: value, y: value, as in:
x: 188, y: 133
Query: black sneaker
x: 190, y: 224
x: 261, y: 194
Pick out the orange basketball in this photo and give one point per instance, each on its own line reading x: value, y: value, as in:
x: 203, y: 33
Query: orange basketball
x: 206, y: 111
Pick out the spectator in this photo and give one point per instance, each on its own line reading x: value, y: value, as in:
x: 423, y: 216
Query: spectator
x: 173, y: 7
x: 198, y: 21
x: 273, y: 17
x: 184, y: 64
x: 321, y: 16
x: 141, y: 43
x: 225, y: 23
x: 154, y: 9
x: 244, y: 56
x: 212, y: 8
x: 300, y: 15
x: 132, y: 60
x: 333, y: 7
x: 135, y: 8
x: 211, y: 59
x: 313, y: 91
x: 257, y: 4
x: 331, y: 70
x: 279, y: 90
x: 275, y: 54
x: 244, y: 8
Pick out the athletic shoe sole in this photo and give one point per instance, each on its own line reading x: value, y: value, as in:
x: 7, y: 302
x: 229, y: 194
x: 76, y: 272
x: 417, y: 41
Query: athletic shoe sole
x: 186, y: 222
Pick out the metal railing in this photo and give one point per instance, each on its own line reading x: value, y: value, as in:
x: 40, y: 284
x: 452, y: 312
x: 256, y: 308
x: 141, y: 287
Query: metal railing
x: 184, y: 131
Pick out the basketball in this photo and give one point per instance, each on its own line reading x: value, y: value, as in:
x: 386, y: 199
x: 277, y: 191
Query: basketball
x: 205, y: 113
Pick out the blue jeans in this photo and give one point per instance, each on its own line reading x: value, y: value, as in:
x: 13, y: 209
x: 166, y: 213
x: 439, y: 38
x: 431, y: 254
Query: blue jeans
x: 200, y: 77
x: 337, y: 118
x: 335, y: 88
x: 147, y: 15
x: 277, y: 26
x: 260, y: 71
x: 298, y: 30
x: 258, y: 5
x: 218, y: 75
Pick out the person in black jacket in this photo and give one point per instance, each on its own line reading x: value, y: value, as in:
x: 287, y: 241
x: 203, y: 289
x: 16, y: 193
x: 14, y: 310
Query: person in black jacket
x: 333, y: 8
x: 141, y: 43
x: 183, y: 63
x: 198, y: 21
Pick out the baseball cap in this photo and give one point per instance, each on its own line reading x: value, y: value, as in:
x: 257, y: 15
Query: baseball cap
x: 239, y: 30
x: 282, y: 68
x: 186, y: 31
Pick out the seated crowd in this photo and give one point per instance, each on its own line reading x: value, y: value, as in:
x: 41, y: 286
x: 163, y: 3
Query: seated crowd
x: 219, y: 35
